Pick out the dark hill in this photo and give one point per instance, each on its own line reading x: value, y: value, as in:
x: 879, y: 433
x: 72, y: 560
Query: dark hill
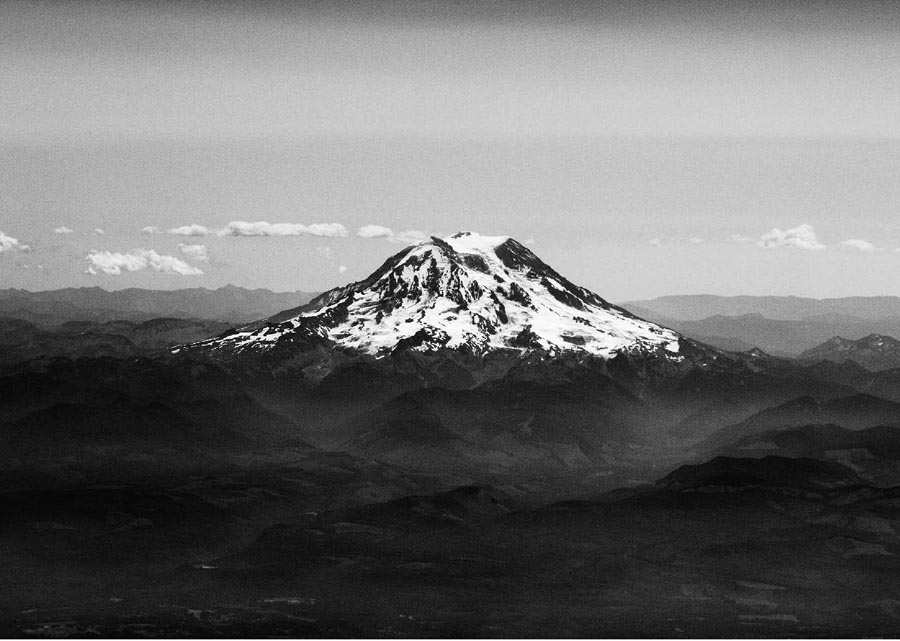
x: 770, y: 471
x: 857, y: 411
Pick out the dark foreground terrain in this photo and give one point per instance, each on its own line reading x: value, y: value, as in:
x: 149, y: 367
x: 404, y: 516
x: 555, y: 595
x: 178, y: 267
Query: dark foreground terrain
x: 316, y: 546
x: 145, y: 498
x: 306, y: 491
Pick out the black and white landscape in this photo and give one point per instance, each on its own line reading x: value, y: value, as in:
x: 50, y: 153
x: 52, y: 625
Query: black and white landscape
x: 430, y: 319
x: 462, y: 444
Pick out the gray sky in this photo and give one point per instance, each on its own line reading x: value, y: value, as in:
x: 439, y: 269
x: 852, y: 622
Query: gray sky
x: 646, y: 148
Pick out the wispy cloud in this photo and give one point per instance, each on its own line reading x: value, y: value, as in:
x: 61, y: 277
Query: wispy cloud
x: 262, y: 228
x: 197, y: 253
x: 695, y: 240
x: 799, y: 237
x: 99, y: 232
x: 63, y: 230
x: 656, y: 242
x: 152, y: 229
x: 184, y: 230
x: 860, y: 245
x: 114, y: 263
x: 8, y: 243
x: 374, y: 231
x: 407, y: 237
x: 739, y: 238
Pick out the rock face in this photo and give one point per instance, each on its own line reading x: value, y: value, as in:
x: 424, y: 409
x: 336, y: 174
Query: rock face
x: 467, y: 293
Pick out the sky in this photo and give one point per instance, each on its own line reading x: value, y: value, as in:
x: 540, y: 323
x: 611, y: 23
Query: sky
x: 641, y: 148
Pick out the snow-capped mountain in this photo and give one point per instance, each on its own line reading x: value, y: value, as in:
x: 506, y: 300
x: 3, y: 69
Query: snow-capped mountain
x: 465, y: 292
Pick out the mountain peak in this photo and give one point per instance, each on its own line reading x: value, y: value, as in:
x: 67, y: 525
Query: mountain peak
x: 463, y: 292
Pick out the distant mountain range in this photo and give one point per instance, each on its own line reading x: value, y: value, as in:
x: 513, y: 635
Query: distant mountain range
x: 230, y: 304
x: 698, y: 307
x: 779, y: 325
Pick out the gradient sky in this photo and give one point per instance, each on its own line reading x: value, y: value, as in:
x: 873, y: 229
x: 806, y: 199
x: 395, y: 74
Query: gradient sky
x: 642, y: 148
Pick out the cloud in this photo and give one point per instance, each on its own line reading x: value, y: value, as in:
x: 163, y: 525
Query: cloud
x: 63, y: 230
x: 739, y: 238
x: 342, y: 269
x: 99, y: 231
x: 114, y: 263
x: 152, y: 229
x: 859, y: 244
x: 186, y: 230
x: 197, y: 253
x: 800, y: 237
x: 239, y: 228
x: 656, y: 242
x: 530, y: 240
x: 374, y: 231
x: 407, y: 237
x: 8, y: 243
x: 263, y: 228
x: 695, y: 240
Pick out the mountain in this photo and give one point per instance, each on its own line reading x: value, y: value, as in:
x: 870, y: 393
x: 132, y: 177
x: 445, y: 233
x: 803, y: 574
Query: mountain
x: 469, y: 353
x: 230, y: 304
x: 465, y: 293
x: 874, y: 352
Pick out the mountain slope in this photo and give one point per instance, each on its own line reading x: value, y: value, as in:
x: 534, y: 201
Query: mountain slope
x: 468, y: 293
